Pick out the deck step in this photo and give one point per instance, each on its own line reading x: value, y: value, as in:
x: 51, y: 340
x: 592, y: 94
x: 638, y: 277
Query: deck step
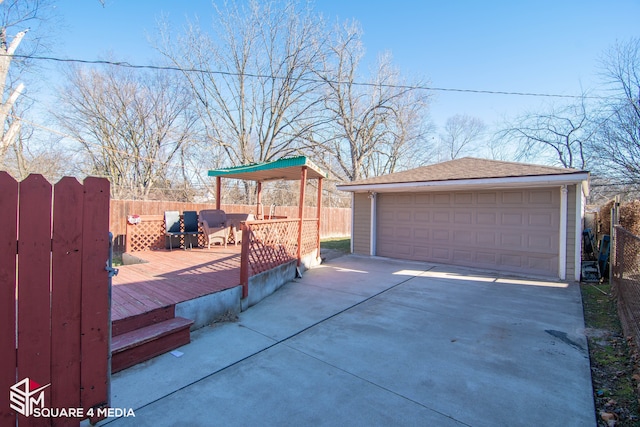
x: 142, y: 344
x: 131, y: 323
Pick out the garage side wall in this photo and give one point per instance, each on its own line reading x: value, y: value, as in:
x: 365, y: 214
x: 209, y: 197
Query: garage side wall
x: 361, y: 233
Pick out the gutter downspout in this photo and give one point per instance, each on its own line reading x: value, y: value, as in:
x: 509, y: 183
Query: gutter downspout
x: 579, y: 227
x: 562, y: 247
x: 353, y: 216
x: 372, y: 232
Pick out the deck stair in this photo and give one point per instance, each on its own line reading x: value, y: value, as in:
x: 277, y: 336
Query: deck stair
x: 147, y: 335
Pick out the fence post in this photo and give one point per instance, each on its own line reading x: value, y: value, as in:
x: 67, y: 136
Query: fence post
x: 8, y: 250
x: 615, y: 219
x: 244, y: 259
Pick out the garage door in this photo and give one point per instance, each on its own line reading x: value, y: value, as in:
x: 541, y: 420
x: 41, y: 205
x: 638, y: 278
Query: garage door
x: 507, y: 230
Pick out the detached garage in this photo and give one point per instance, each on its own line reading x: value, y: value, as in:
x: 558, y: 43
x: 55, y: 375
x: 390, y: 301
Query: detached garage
x: 496, y: 215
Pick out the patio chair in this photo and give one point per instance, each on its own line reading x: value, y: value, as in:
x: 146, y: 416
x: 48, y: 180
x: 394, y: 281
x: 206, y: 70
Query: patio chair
x: 172, y: 228
x: 214, y: 226
x: 234, y: 220
x: 191, y: 232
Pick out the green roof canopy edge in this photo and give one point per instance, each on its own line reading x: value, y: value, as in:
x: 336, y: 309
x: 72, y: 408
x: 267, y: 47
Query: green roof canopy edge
x: 286, y: 162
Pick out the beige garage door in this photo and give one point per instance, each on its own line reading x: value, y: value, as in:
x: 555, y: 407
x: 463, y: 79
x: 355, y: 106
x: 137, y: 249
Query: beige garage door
x: 507, y: 230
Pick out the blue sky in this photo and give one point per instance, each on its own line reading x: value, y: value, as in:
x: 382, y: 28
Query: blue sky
x: 514, y: 46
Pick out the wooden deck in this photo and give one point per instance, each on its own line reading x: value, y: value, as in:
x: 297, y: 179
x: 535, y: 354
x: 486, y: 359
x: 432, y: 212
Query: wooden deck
x: 170, y: 277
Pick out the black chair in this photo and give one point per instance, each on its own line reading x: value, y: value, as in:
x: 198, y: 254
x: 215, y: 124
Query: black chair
x: 172, y: 229
x: 191, y: 232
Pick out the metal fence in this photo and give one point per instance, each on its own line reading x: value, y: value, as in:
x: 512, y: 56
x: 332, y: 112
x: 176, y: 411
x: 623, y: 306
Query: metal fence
x: 625, y: 279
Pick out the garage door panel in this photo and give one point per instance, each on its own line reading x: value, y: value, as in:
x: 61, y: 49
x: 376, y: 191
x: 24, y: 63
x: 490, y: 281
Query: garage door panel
x: 488, y: 259
x: 386, y: 232
x: 441, y: 199
x: 421, y: 233
x: 486, y: 218
x: 540, y: 263
x: 511, y: 240
x: 513, y: 230
x: 463, y: 198
x: 441, y: 254
x: 462, y: 217
x: 464, y: 237
x: 543, y: 197
x: 462, y: 256
x: 512, y: 219
x: 441, y: 236
x: 441, y: 217
x: 541, y: 219
x: 512, y: 197
x: 421, y: 252
x: 541, y: 242
x: 487, y: 198
x: 486, y: 238
x: 422, y: 216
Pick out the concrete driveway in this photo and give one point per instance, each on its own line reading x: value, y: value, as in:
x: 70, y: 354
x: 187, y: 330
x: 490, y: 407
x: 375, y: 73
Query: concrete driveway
x: 372, y: 341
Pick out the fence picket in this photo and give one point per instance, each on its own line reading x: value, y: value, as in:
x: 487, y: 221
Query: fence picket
x: 8, y: 249
x: 96, y: 322
x: 66, y: 296
x: 34, y: 248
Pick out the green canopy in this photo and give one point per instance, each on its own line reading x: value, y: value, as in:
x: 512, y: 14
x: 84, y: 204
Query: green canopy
x: 284, y: 169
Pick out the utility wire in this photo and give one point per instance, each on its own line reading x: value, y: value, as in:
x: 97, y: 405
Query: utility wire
x: 125, y: 64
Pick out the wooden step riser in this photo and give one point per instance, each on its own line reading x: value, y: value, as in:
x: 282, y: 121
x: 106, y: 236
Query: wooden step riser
x: 132, y: 356
x: 132, y: 323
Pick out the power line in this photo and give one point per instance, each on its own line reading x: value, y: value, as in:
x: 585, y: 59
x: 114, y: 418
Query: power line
x: 125, y: 64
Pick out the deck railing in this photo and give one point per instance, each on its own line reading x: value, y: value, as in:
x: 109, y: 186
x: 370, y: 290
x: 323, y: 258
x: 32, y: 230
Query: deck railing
x: 270, y: 243
x: 266, y: 244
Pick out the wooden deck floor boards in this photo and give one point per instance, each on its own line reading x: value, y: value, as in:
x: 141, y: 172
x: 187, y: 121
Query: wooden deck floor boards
x: 171, y: 277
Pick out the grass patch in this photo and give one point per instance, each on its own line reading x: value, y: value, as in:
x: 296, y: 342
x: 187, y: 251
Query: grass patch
x: 340, y: 244
x: 117, y: 259
x: 612, y: 366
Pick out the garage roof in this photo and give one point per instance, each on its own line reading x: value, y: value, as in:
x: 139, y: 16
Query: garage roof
x: 469, y: 172
x: 283, y: 169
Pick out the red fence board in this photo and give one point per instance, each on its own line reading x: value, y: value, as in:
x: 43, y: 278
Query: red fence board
x: 8, y: 249
x: 66, y: 276
x: 34, y: 247
x: 96, y: 322
x: 51, y: 263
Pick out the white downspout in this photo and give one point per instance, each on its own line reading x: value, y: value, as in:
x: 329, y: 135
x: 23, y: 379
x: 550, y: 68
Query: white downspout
x: 580, y: 202
x: 353, y: 216
x: 372, y: 232
x: 562, y: 247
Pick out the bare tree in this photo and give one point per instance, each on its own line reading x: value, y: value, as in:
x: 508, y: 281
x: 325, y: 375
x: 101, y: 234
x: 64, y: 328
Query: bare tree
x: 371, y: 127
x: 132, y: 127
x: 618, y: 130
x: 16, y: 16
x: 459, y: 135
x: 254, y: 86
x: 559, y: 136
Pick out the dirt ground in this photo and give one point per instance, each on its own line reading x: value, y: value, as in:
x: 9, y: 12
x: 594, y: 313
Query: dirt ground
x: 615, y: 367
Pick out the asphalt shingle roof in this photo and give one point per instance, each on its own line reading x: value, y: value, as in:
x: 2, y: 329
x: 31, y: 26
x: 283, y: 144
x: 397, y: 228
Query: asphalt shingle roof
x: 466, y: 168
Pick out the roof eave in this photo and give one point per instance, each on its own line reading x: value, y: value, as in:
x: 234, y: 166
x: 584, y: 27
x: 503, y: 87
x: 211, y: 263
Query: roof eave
x: 471, y: 184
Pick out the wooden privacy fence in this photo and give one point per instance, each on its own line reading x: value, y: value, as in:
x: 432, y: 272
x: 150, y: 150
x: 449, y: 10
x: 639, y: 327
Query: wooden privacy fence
x: 334, y: 222
x: 54, y: 299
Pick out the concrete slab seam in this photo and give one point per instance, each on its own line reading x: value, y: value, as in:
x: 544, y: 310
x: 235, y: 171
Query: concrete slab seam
x: 269, y: 346
x: 378, y: 385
